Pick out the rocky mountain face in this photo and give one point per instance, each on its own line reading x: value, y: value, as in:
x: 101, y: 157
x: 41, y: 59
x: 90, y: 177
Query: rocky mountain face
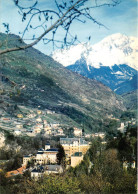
x: 130, y: 100
x: 113, y: 61
x: 33, y: 79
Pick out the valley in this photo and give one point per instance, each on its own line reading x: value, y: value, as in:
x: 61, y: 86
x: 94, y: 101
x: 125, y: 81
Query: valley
x: 68, y: 97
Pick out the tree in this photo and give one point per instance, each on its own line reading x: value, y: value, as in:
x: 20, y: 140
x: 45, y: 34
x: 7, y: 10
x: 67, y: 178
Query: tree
x: 63, y: 14
x: 126, y: 144
x: 61, y: 157
x: 71, y: 132
x: 50, y: 184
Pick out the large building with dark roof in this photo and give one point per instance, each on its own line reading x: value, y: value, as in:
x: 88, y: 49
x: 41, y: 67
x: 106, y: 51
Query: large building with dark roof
x: 43, y: 156
x: 72, y: 145
x: 39, y: 171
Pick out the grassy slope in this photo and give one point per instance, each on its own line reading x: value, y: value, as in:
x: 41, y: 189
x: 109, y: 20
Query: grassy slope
x: 130, y: 100
x: 50, y: 85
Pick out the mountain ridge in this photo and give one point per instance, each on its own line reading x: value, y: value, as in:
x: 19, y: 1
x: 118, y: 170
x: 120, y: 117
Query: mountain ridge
x: 118, y: 48
x: 111, y: 61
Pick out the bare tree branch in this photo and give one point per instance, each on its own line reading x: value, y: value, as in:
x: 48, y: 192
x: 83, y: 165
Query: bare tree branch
x: 66, y: 13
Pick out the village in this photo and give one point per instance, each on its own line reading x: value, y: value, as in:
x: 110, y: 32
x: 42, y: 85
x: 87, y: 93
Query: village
x: 45, y: 160
x: 31, y: 122
x: 35, y: 122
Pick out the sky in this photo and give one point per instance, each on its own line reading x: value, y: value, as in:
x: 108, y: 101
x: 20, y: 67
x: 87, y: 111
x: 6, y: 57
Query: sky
x: 119, y: 19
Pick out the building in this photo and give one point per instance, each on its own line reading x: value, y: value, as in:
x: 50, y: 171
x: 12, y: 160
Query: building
x: 19, y: 171
x: 46, y: 156
x: 19, y: 126
x: 39, y: 171
x: 122, y: 127
x: 100, y: 134
x: 72, y: 145
x: 49, y: 112
x: 88, y: 135
x: 53, y: 169
x: 38, y: 119
x: 12, y: 173
x: 77, y: 132
x: 38, y: 127
x: 27, y: 158
x: 43, y: 156
x: 127, y: 164
x: 19, y: 115
x: 17, y: 132
x: 76, y: 159
x: 37, y: 130
x: 39, y: 112
x: 60, y: 131
x: 45, y: 122
x: 47, y: 128
x: 6, y: 119
x: 31, y: 115
x: 54, y: 125
x: 48, y: 132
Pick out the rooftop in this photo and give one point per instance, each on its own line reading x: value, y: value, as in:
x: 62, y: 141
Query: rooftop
x: 77, y: 154
x: 41, y: 169
x: 52, y: 150
x: 16, y: 172
x: 26, y: 156
x: 71, y: 140
x: 41, y: 149
x: 40, y: 152
x: 52, y: 167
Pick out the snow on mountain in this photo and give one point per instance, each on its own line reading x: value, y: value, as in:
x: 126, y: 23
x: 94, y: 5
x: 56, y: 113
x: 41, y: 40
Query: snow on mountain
x: 69, y: 56
x: 115, y: 49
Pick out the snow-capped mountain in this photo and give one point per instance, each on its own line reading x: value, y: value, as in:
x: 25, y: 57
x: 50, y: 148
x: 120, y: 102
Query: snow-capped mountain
x: 112, y: 61
x: 115, y: 49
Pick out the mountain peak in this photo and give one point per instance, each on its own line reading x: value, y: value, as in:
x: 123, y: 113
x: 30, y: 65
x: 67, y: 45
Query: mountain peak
x: 114, y: 49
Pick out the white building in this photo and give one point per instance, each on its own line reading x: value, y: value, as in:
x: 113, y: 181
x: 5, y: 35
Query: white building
x: 121, y: 128
x: 31, y: 115
x: 43, y: 156
x: 38, y: 127
x: 45, y: 122
x: 47, y: 155
x: 19, y: 126
x: 77, y: 132
x: 39, y: 119
x: 100, y: 134
x: 60, y: 131
x: 27, y: 158
x: 17, y: 132
x: 48, y: 169
x: 127, y: 164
